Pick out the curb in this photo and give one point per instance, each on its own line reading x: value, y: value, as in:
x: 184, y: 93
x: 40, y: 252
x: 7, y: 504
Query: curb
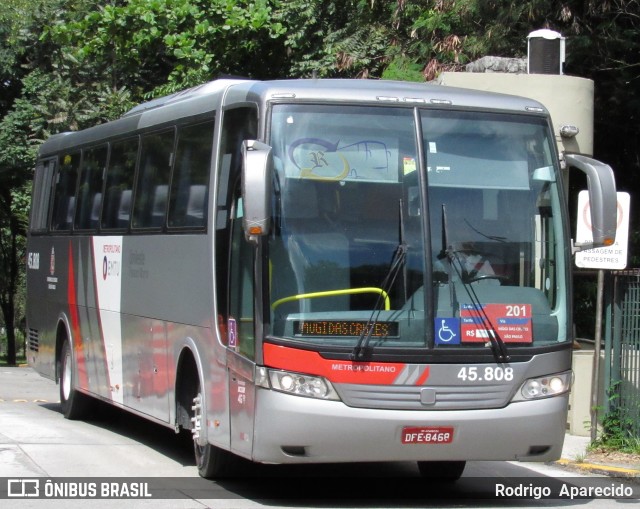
x: 600, y: 469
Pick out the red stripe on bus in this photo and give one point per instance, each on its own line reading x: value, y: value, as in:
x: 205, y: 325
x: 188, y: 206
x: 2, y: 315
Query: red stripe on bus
x: 312, y: 363
x: 423, y: 377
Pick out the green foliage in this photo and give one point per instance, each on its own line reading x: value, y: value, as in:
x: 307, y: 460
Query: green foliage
x: 13, y: 221
x: 4, y: 347
x: 348, y: 38
x: 618, y: 425
x: 403, y: 69
x: 160, y: 46
x: 13, y: 19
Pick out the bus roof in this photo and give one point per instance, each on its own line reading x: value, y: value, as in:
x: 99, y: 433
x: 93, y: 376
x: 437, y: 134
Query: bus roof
x: 208, y: 97
x: 387, y: 92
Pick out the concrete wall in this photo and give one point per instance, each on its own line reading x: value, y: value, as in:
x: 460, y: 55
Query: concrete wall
x: 569, y: 99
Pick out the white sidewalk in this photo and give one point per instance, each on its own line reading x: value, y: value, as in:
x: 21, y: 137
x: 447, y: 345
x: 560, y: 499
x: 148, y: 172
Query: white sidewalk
x: 575, y: 447
x: 574, y: 457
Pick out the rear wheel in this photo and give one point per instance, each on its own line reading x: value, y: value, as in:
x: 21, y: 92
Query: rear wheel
x: 75, y: 405
x: 212, y: 462
x: 447, y: 471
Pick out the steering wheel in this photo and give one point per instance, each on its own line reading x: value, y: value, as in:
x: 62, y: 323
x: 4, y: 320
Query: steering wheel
x: 480, y: 277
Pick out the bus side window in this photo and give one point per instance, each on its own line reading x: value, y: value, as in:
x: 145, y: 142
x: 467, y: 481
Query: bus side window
x: 64, y: 199
x: 151, y: 192
x: 119, y: 184
x: 40, y: 200
x: 89, y: 201
x: 190, y: 181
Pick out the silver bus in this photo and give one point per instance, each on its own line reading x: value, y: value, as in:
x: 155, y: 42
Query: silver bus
x: 315, y: 271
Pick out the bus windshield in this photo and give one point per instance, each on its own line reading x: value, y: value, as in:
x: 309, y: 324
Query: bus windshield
x: 415, y: 229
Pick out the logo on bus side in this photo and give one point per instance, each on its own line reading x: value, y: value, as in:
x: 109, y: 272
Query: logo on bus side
x: 111, y: 267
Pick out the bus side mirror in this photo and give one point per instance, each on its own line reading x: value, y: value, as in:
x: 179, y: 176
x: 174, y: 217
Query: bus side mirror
x: 257, y: 168
x: 603, y: 200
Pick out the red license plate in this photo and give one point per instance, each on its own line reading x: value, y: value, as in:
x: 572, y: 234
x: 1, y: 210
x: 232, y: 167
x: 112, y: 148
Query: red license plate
x: 427, y: 435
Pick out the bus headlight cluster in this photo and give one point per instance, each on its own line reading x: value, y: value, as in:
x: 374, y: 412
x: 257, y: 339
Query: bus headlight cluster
x: 300, y: 384
x: 545, y: 386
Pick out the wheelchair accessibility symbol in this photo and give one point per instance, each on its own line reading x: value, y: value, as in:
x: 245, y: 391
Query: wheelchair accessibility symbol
x: 447, y: 331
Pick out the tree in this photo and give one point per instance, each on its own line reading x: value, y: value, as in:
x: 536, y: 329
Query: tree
x: 17, y: 152
x: 16, y: 157
x: 158, y: 47
x: 12, y: 21
x: 332, y: 38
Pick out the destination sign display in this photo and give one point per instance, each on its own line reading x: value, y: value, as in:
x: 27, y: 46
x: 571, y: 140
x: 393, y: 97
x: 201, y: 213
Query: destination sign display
x: 345, y: 328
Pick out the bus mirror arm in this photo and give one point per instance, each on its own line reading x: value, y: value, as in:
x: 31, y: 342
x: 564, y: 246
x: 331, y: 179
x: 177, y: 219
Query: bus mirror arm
x: 257, y: 168
x: 602, y: 199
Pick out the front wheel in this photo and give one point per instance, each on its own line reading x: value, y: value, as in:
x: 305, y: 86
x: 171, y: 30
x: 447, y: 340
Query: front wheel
x: 212, y: 462
x: 447, y: 471
x: 75, y: 405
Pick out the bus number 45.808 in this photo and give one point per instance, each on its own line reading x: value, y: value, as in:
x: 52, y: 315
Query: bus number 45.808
x: 486, y: 374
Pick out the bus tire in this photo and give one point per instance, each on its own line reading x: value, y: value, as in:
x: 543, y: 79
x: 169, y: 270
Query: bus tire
x: 447, y: 471
x: 212, y: 462
x: 74, y: 404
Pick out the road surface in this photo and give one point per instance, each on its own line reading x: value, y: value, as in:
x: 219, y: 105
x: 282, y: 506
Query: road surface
x: 36, y: 442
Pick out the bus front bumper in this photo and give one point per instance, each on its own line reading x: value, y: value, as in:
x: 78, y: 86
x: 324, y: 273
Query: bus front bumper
x: 293, y: 429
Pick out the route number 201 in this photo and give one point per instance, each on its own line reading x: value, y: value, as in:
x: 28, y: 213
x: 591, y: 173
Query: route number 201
x: 486, y: 374
x: 519, y: 310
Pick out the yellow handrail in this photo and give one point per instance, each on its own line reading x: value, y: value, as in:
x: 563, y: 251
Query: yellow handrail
x: 333, y: 293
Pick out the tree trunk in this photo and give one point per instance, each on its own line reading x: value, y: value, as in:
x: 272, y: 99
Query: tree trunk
x: 7, y: 300
x: 11, y: 346
x: 8, y: 311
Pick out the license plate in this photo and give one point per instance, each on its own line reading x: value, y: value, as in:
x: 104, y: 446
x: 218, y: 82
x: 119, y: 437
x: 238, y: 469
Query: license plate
x: 427, y: 435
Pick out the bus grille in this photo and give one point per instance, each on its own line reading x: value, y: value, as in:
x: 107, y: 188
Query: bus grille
x: 409, y: 397
x: 33, y: 340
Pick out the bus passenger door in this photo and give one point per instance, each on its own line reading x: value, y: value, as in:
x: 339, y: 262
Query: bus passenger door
x: 241, y: 337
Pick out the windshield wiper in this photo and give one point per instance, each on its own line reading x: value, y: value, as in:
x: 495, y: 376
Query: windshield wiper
x: 498, y: 347
x: 397, y: 263
x: 446, y: 252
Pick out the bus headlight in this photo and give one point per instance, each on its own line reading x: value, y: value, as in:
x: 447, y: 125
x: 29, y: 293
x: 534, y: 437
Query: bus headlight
x: 301, y: 385
x: 544, y: 386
